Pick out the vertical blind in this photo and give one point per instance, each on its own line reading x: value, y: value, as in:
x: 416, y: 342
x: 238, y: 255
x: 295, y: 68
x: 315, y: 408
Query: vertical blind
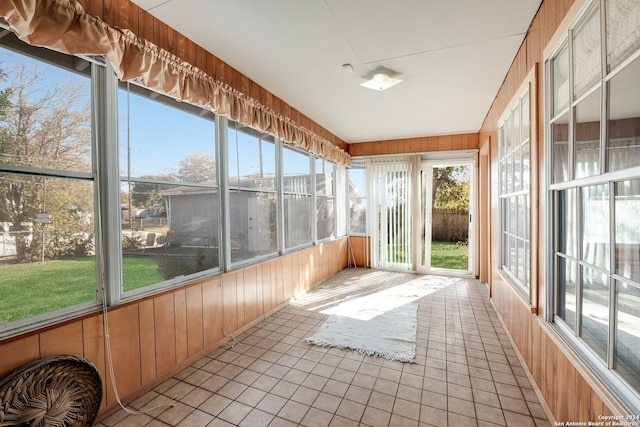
x: 389, y: 196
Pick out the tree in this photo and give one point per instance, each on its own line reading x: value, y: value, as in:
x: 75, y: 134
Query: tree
x: 197, y: 168
x: 44, y: 124
x: 146, y: 195
x: 451, y: 188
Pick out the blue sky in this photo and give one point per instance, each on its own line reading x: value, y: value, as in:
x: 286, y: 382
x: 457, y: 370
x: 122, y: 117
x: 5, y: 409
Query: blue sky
x: 161, y: 136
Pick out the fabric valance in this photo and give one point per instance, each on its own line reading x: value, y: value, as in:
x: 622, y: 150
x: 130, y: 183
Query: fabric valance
x: 64, y: 26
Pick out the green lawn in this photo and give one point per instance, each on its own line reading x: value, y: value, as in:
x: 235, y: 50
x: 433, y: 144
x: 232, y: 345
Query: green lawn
x: 36, y: 288
x: 449, y: 255
x: 443, y: 255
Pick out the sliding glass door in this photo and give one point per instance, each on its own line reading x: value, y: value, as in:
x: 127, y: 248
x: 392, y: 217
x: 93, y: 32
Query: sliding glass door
x: 446, y: 229
x: 390, y: 204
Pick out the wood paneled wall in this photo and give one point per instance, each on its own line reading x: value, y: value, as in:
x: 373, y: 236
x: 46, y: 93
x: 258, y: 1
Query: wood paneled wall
x: 127, y: 15
x: 153, y: 338
x: 569, y: 391
x: 466, y: 141
x: 360, y: 251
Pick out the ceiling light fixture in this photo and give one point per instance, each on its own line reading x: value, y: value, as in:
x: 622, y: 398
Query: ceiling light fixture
x: 381, y: 81
x: 347, y: 68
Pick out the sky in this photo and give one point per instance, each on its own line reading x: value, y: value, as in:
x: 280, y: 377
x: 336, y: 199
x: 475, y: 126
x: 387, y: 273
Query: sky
x: 160, y: 136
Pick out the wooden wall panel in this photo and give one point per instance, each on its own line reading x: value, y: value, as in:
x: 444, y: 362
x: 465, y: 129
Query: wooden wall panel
x: 535, y: 367
x: 147, y: 340
x: 212, y: 310
x: 17, y: 353
x: 597, y: 406
x: 93, y: 344
x: 279, y: 284
x: 287, y: 277
x: 195, y: 321
x: 551, y: 375
x: 250, y: 285
x: 566, y: 391
x: 582, y: 399
x: 180, y: 302
x: 240, y: 299
x: 259, y: 292
x: 93, y: 8
x: 119, y: 11
x: 124, y: 332
x: 230, y: 302
x: 165, y: 332
x: 268, y: 286
x: 359, y: 251
x: 65, y: 339
x: 415, y: 145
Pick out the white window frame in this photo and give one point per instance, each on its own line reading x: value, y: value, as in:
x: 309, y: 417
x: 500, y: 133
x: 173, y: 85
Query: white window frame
x: 106, y: 178
x: 629, y: 398
x: 527, y: 288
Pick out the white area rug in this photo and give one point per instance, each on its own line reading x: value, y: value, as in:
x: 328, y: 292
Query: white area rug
x: 371, y: 327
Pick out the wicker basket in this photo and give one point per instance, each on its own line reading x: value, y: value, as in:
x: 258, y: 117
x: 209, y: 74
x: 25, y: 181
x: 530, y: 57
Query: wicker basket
x: 57, y: 391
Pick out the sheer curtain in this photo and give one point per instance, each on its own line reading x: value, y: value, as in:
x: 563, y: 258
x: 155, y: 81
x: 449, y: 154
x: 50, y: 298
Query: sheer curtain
x: 389, y: 196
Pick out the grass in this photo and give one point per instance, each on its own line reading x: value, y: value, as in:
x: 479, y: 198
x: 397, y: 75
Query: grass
x: 36, y: 288
x: 449, y: 255
x: 443, y: 255
x: 139, y: 272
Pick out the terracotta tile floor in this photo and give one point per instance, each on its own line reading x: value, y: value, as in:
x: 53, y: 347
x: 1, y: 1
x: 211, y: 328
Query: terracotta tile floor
x: 467, y: 373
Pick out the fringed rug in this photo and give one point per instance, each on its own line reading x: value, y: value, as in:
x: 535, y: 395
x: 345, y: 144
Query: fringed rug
x: 371, y: 329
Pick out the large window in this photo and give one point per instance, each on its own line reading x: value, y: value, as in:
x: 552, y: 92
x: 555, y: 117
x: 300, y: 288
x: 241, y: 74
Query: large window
x: 297, y: 193
x: 594, y: 129
x: 252, y: 194
x: 514, y: 151
x: 107, y: 185
x: 47, y: 188
x: 325, y: 199
x: 357, y: 191
x: 169, y: 192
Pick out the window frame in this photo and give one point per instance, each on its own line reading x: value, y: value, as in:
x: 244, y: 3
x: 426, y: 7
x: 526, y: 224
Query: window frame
x: 139, y: 90
x: 224, y: 124
x: 311, y: 194
x: 106, y: 178
x: 573, y: 336
x: 358, y: 164
x: 97, y: 71
x: 333, y: 197
x: 528, y: 294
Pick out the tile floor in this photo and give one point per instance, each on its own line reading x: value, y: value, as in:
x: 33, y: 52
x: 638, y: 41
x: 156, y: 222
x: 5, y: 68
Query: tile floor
x: 466, y: 372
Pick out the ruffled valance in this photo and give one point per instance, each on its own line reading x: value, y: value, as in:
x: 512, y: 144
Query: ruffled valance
x: 64, y: 26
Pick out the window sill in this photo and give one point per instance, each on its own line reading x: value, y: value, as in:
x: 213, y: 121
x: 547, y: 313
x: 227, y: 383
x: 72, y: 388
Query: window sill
x: 532, y: 308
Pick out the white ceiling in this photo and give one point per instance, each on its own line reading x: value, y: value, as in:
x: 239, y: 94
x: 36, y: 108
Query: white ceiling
x: 452, y: 56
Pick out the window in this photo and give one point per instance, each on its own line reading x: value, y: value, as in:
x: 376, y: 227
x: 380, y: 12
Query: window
x: 47, y: 188
x: 169, y: 191
x: 514, y: 151
x: 357, y: 198
x: 594, y: 129
x: 325, y: 199
x: 80, y: 212
x: 341, y: 200
x: 297, y: 188
x: 252, y: 194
